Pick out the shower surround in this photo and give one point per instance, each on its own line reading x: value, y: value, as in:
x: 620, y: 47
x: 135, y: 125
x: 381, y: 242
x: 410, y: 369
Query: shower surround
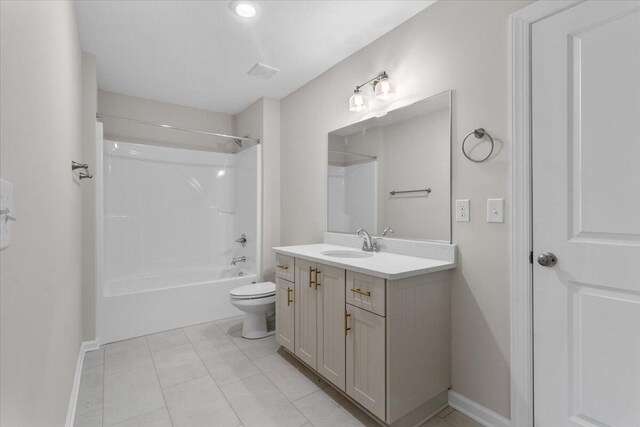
x: 170, y: 220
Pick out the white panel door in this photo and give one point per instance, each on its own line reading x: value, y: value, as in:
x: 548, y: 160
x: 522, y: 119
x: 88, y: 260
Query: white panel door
x: 331, y: 340
x: 306, y: 302
x: 586, y: 211
x: 285, y: 309
x: 366, y: 373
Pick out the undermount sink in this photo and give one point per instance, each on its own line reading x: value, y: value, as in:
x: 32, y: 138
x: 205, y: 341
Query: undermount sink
x: 347, y: 254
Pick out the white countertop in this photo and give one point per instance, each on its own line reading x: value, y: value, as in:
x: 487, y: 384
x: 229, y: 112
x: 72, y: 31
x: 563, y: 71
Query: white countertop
x: 382, y: 264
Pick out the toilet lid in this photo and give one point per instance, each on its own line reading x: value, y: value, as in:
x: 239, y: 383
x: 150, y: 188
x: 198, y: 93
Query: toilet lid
x: 254, y: 290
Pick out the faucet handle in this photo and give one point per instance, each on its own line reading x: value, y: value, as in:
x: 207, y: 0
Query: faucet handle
x: 375, y: 244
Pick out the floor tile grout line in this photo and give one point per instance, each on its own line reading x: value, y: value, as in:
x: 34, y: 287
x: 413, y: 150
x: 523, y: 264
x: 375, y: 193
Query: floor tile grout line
x: 211, y: 376
x: 259, y: 373
x: 185, y: 381
x: 164, y: 399
x: 224, y: 396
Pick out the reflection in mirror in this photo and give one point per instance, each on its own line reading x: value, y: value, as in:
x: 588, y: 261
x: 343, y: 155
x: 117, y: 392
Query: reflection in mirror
x: 394, y: 171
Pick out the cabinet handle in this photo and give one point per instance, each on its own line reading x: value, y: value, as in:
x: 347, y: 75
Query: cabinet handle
x: 284, y: 267
x: 289, y: 300
x: 311, y: 282
x: 346, y: 327
x: 361, y: 292
x: 317, y: 281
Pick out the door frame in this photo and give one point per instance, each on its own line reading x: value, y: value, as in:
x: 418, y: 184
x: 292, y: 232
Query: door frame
x: 521, y: 351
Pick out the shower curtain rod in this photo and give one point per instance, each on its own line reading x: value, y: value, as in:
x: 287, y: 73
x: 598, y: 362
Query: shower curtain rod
x: 241, y: 138
x: 353, y: 154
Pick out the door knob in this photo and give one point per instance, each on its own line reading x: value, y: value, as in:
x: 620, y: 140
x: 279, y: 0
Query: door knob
x: 547, y: 259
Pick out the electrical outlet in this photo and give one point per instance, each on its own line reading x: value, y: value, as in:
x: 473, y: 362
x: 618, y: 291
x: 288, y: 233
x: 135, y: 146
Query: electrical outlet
x: 462, y: 211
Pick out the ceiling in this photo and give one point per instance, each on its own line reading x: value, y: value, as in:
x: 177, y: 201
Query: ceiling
x: 197, y: 53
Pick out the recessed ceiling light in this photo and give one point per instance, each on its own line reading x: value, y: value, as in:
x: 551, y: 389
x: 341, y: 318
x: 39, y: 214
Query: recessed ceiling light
x: 244, y: 9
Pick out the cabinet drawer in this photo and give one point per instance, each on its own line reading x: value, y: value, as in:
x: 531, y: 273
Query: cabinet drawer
x: 366, y: 292
x: 285, y: 267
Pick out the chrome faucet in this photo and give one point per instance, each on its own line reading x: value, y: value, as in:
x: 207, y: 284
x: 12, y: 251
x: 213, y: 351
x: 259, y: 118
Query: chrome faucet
x: 388, y: 230
x: 370, y: 244
x: 238, y: 259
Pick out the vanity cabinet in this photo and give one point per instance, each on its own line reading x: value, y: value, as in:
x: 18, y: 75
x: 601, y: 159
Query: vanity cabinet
x: 384, y: 343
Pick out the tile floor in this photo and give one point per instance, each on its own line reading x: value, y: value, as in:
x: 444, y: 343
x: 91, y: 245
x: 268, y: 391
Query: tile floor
x: 208, y: 375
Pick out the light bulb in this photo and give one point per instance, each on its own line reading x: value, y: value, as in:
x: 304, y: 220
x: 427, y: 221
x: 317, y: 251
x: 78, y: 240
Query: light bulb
x: 385, y: 88
x: 244, y: 9
x: 357, y: 102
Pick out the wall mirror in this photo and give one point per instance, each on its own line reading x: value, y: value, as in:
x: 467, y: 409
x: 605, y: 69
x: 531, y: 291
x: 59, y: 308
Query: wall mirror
x: 394, y: 171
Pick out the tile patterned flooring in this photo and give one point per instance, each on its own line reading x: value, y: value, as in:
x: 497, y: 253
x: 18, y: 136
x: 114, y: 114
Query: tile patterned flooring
x: 208, y: 375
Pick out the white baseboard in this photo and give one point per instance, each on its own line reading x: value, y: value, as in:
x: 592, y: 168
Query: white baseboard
x: 73, y: 399
x: 477, y: 412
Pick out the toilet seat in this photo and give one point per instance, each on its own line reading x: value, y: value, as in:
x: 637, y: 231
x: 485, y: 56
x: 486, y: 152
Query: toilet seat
x: 254, y: 290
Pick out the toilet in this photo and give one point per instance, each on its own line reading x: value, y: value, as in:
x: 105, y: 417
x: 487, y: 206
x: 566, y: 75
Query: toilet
x: 258, y: 301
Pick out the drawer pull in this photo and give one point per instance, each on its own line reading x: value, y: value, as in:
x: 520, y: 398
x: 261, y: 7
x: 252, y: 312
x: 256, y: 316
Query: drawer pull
x: 311, y: 271
x: 346, y: 327
x: 361, y: 292
x: 317, y: 281
x: 284, y: 267
x: 289, y: 300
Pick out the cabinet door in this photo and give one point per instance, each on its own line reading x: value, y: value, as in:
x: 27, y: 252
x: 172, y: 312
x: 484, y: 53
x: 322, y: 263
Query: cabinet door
x: 306, y: 312
x: 331, y: 339
x: 366, y: 359
x: 285, y: 309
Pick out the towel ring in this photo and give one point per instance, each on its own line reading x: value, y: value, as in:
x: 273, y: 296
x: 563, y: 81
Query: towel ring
x: 478, y: 133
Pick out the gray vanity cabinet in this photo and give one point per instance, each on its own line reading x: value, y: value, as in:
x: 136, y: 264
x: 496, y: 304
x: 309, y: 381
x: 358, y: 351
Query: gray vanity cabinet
x: 384, y: 343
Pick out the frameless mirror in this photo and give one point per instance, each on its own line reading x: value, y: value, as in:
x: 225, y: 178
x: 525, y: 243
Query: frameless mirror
x: 394, y: 171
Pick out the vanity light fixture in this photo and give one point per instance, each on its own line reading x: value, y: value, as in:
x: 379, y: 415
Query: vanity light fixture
x: 358, y: 101
x: 383, y: 87
x: 244, y: 9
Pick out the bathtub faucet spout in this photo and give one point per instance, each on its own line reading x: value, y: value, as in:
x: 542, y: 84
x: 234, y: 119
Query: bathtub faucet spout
x: 238, y: 259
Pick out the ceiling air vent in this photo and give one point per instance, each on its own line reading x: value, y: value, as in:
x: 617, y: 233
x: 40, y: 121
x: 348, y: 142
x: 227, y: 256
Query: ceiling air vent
x: 263, y: 71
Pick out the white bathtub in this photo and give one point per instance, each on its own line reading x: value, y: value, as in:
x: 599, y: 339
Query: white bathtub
x: 143, y: 305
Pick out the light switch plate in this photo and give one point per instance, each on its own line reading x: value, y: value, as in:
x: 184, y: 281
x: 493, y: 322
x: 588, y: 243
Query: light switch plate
x: 463, y: 214
x: 7, y: 214
x: 495, y: 210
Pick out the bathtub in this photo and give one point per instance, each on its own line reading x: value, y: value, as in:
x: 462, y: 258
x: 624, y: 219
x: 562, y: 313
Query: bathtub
x: 137, y: 306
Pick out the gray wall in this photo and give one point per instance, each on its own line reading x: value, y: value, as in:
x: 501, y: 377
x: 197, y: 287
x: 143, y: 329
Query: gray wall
x: 40, y: 273
x: 459, y: 45
x: 164, y: 113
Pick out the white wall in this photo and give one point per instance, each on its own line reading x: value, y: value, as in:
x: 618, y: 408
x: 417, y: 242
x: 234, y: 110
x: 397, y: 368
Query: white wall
x: 40, y: 273
x: 459, y: 45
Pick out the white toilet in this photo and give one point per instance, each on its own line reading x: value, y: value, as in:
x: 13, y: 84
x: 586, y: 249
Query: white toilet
x: 258, y: 301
